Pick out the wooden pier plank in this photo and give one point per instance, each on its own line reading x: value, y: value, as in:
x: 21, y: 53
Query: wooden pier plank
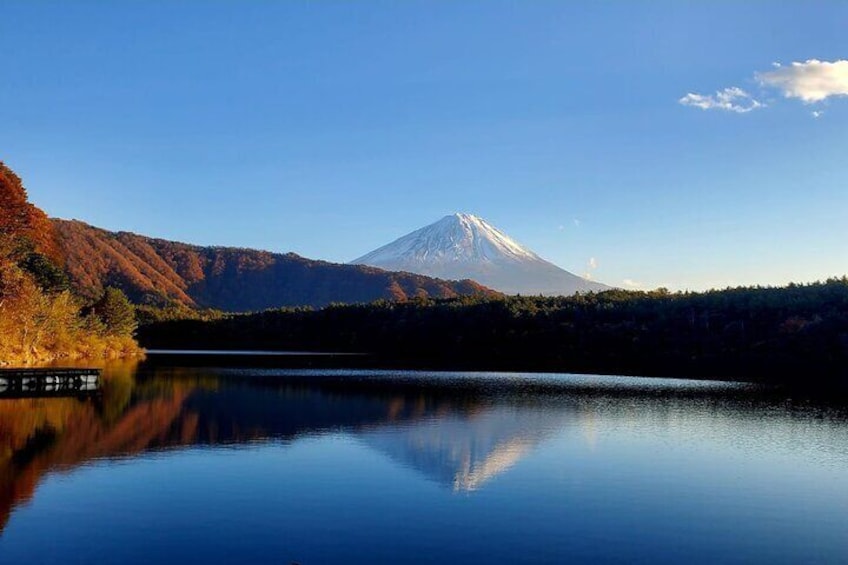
x: 25, y: 382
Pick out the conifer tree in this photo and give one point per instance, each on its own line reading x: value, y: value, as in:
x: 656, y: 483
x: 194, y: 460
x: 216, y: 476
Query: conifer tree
x: 116, y: 312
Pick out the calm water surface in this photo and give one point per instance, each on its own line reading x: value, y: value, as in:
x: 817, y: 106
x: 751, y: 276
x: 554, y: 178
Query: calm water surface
x: 258, y: 465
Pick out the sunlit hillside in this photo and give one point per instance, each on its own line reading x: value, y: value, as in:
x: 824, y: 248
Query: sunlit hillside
x: 159, y: 272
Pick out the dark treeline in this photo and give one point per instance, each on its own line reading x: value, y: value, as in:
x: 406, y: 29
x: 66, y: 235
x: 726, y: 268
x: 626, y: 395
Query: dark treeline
x: 797, y: 333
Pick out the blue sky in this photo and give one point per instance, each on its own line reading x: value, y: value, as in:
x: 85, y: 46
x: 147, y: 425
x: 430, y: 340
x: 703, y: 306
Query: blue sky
x: 650, y: 144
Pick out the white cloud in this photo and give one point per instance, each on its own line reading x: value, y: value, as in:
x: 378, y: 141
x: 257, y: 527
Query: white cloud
x: 576, y: 223
x: 810, y: 81
x: 630, y: 283
x: 732, y: 99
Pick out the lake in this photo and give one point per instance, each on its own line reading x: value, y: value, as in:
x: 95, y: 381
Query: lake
x: 252, y: 464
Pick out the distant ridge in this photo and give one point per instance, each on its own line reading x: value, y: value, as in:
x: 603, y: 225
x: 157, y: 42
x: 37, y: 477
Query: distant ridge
x: 464, y: 246
x: 157, y: 271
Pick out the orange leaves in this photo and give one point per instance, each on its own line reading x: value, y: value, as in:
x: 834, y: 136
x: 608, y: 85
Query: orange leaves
x: 21, y: 219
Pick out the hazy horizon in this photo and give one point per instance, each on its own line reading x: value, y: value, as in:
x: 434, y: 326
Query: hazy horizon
x: 685, y: 146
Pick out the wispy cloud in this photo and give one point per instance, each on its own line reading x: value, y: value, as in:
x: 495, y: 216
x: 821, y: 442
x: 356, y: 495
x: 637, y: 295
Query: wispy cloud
x: 591, y: 265
x: 810, y: 81
x: 817, y: 113
x: 575, y: 222
x: 732, y: 99
x: 630, y: 283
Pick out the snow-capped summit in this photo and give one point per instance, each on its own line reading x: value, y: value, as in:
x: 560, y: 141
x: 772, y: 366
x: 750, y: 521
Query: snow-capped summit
x: 456, y: 238
x: 464, y: 246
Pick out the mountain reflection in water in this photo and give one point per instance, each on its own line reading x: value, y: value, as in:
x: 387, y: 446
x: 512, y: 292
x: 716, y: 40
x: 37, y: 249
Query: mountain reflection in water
x: 461, y: 431
x: 465, y: 449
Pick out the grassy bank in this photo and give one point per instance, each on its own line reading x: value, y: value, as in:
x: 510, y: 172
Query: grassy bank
x: 85, y: 348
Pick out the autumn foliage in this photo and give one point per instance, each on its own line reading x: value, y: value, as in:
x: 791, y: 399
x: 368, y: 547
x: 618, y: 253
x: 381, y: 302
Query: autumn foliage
x: 40, y: 318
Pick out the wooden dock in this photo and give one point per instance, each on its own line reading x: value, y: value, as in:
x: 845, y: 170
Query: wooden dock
x: 25, y: 383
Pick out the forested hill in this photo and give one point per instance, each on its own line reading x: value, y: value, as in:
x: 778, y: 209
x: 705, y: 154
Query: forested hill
x: 796, y: 334
x: 156, y: 271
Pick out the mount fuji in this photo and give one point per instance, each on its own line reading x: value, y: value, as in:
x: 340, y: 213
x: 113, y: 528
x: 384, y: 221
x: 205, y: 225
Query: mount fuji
x: 463, y: 246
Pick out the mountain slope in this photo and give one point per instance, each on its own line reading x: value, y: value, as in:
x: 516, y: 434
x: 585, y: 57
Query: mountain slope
x: 465, y: 246
x: 158, y: 271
